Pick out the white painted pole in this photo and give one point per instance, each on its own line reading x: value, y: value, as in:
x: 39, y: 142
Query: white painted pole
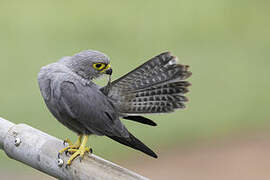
x: 40, y: 151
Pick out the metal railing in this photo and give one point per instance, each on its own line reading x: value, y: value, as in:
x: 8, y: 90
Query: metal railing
x: 40, y: 151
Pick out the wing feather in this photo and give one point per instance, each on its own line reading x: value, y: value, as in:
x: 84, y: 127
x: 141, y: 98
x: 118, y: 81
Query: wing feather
x: 90, y: 107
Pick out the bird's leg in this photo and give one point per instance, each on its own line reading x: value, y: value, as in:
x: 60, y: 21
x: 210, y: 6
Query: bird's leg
x: 79, y: 152
x: 76, y: 145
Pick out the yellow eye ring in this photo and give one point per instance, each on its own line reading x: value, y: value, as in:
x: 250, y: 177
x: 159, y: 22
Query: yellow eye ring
x: 99, y: 66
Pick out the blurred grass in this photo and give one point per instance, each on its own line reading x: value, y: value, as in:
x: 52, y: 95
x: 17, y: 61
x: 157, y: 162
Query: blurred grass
x: 226, y: 43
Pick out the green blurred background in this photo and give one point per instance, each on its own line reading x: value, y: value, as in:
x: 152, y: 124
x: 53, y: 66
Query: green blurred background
x: 225, y: 42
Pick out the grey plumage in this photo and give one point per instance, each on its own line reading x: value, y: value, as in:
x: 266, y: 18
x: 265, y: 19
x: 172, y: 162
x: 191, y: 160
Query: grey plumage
x: 157, y: 86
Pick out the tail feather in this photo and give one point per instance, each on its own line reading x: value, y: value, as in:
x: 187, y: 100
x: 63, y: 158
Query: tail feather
x: 157, y: 86
x: 134, y: 143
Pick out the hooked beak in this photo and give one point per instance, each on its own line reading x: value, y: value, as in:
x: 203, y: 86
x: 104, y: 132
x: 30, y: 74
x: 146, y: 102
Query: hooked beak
x: 109, y: 71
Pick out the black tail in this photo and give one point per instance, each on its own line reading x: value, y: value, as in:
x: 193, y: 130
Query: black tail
x: 134, y: 143
x: 141, y: 119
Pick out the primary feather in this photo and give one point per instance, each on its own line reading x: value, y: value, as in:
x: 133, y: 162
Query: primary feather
x: 141, y: 119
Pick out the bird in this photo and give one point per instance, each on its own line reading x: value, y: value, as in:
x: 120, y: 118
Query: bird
x: 67, y: 86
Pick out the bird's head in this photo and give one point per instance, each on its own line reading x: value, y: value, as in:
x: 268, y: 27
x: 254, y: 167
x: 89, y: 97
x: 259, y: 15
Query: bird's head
x: 89, y: 64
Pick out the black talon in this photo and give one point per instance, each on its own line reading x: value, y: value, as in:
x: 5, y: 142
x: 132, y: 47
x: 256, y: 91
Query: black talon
x: 91, y: 150
x: 67, y: 166
x: 66, y: 152
x: 58, y: 155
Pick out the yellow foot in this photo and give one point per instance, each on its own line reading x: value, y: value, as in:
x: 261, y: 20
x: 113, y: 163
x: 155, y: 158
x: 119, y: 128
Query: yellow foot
x: 76, y: 145
x: 79, y: 152
x: 87, y: 149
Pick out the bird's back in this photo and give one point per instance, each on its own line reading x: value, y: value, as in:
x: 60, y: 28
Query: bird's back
x: 50, y: 79
x: 78, y: 103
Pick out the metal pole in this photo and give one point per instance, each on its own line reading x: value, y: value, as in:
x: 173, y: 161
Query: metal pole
x: 39, y: 150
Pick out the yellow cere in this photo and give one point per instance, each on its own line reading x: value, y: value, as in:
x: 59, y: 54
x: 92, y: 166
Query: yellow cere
x: 107, y: 67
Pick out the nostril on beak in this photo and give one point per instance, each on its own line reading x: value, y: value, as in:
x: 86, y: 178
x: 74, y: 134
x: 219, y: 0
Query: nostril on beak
x: 109, y: 71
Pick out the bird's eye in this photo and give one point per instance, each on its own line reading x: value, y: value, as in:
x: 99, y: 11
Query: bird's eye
x: 99, y: 66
